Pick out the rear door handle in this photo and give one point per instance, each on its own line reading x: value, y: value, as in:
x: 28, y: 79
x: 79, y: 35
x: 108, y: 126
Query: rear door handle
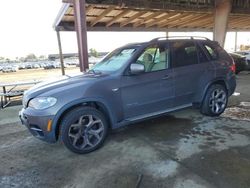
x: 166, y: 77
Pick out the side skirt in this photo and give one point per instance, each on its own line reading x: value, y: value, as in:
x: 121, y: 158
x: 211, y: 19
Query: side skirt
x: 149, y: 116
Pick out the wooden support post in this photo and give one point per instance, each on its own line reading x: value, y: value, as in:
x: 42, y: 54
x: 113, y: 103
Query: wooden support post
x: 167, y: 34
x: 221, y: 15
x: 236, y: 41
x: 81, y: 31
x: 60, y: 51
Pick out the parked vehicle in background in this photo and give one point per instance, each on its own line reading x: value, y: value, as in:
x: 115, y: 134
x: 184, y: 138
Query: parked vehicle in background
x: 247, y: 55
x: 240, y: 62
x: 131, y: 84
x: 28, y: 66
x: 10, y: 69
x: 21, y: 66
x: 1, y: 68
x: 36, y: 66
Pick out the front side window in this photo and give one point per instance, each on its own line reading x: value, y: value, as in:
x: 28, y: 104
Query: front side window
x: 154, y: 58
x: 115, y: 60
x: 184, y: 53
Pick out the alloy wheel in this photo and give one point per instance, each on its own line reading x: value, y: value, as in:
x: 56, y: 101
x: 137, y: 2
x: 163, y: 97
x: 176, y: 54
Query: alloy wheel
x: 86, y: 132
x: 218, y: 101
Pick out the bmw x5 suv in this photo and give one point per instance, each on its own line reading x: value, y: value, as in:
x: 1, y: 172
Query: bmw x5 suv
x: 132, y: 83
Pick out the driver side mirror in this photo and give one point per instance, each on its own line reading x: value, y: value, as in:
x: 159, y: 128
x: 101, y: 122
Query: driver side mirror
x: 136, y: 68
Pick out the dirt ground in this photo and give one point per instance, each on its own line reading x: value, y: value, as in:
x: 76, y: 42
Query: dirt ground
x: 182, y: 150
x: 34, y: 74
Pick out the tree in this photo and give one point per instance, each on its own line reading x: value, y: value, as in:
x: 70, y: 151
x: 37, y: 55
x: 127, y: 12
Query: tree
x: 30, y: 56
x: 93, y: 52
x: 42, y: 57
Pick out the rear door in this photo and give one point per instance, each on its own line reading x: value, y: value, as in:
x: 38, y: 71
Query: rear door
x: 152, y: 91
x: 190, y: 68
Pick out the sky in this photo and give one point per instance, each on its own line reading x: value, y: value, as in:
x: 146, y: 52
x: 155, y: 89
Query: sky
x: 26, y: 27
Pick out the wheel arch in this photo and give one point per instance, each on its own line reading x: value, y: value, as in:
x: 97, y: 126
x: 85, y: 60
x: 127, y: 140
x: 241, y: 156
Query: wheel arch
x: 220, y: 81
x: 96, y: 103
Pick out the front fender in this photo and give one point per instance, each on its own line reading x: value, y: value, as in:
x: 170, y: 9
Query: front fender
x: 60, y: 113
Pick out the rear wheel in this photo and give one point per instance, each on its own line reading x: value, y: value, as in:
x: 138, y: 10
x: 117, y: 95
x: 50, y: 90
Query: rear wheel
x: 215, y: 101
x: 83, y: 130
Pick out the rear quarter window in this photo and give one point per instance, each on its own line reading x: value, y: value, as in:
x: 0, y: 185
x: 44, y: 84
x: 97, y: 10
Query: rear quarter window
x: 211, y: 51
x: 216, y: 52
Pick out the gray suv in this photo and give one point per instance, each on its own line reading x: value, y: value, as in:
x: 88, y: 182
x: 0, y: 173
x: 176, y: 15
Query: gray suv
x: 133, y: 83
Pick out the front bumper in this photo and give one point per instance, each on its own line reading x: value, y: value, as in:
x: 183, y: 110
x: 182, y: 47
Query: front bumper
x: 38, y: 125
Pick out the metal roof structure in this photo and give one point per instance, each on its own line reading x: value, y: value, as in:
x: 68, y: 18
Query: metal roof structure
x: 153, y: 15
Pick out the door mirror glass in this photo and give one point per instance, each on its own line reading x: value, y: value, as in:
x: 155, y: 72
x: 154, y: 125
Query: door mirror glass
x: 136, y: 68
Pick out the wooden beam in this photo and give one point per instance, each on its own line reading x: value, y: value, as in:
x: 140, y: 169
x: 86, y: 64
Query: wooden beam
x: 239, y: 22
x: 199, y: 22
x: 208, y: 23
x: 102, y: 15
x: 170, y: 19
x: 175, y: 21
x: 147, y: 19
x: 164, y: 19
x: 117, y: 17
x: 157, y: 20
x: 192, y: 19
x: 132, y: 18
x: 89, y: 8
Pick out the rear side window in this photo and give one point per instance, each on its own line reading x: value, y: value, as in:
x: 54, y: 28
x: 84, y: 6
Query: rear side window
x: 184, y: 53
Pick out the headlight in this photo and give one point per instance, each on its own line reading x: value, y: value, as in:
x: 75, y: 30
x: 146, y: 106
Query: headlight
x: 41, y: 103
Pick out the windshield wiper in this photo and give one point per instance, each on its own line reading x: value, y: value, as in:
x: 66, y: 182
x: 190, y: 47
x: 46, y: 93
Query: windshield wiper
x: 94, y: 71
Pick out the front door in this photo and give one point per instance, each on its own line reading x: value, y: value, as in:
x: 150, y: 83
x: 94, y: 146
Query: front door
x: 152, y: 91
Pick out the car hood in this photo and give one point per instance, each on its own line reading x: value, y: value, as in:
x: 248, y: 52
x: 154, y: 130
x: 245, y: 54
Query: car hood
x: 63, y: 81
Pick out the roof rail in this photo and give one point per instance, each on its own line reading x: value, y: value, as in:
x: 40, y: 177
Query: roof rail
x: 180, y: 37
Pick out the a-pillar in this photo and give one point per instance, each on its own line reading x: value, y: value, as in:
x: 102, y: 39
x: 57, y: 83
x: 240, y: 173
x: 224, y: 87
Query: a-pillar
x: 221, y: 15
x: 81, y: 30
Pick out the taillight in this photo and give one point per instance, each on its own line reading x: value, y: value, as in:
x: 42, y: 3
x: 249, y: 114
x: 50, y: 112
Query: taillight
x: 233, y: 67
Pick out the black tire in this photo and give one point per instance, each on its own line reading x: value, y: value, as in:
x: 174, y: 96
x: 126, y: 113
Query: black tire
x: 210, y: 103
x: 73, y: 128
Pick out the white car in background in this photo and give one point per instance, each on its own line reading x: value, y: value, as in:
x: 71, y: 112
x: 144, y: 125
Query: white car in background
x: 10, y: 69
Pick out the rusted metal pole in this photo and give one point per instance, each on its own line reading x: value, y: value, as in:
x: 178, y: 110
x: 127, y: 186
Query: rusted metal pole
x: 221, y: 15
x: 81, y: 31
x: 60, y: 51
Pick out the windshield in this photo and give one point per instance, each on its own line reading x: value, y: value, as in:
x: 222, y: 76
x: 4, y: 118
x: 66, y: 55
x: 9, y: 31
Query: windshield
x: 114, y: 61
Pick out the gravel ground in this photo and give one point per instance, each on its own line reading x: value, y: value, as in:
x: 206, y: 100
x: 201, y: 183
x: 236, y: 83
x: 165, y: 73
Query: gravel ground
x: 181, y: 150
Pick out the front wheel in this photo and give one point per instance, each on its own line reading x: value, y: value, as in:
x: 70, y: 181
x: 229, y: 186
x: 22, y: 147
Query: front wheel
x: 83, y: 130
x: 215, y: 101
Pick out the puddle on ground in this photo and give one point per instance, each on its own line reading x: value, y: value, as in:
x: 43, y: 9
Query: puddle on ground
x: 241, y: 112
x: 245, y: 104
x: 162, y: 169
x: 236, y: 94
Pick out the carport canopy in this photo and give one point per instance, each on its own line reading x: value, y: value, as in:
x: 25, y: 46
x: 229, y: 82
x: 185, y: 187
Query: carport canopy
x: 218, y: 16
